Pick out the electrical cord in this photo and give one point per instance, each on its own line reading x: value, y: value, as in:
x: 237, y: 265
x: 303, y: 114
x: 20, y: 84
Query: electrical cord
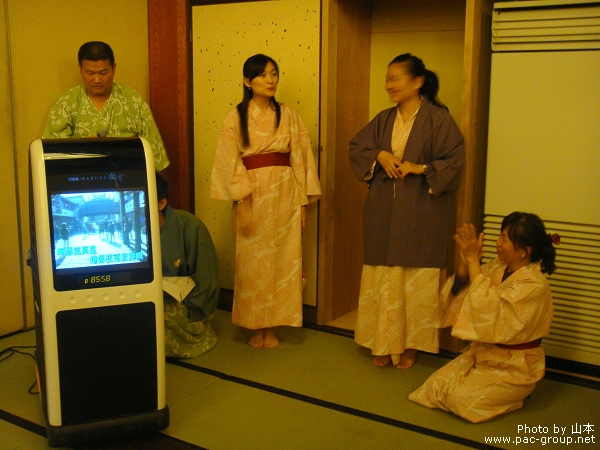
x: 8, y: 352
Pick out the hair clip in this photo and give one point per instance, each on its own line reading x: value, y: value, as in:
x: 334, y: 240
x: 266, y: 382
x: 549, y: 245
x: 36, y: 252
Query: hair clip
x: 555, y: 238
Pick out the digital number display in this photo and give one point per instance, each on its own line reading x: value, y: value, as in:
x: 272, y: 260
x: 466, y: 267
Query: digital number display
x: 97, y: 279
x: 104, y: 279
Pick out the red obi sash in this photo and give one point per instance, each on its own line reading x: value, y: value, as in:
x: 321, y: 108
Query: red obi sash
x: 266, y: 160
x: 524, y: 346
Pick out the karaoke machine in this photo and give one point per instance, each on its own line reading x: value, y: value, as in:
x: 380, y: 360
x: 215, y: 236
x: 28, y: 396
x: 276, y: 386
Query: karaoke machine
x: 96, y: 267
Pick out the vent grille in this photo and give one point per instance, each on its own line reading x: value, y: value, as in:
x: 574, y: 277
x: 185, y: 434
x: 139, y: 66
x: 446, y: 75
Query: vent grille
x: 575, y: 332
x: 546, y: 25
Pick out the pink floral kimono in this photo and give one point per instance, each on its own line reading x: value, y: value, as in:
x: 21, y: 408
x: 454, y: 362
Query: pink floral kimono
x: 268, y: 270
x: 505, y: 320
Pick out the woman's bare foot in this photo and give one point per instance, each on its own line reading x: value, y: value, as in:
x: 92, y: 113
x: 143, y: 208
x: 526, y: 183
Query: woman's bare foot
x: 270, y: 338
x: 382, y: 360
x: 258, y: 338
x: 407, y: 359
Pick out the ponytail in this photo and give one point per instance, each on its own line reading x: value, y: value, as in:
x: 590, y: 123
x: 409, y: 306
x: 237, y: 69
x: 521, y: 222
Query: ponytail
x: 416, y: 68
x: 527, y: 230
x: 547, y: 255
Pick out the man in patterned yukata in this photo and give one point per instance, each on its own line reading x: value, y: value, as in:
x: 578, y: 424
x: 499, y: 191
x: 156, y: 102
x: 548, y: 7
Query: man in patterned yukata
x: 99, y: 107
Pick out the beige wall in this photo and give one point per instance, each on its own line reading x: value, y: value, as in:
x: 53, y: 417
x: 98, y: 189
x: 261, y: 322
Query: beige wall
x: 434, y: 34
x: 11, y: 310
x: 39, y: 41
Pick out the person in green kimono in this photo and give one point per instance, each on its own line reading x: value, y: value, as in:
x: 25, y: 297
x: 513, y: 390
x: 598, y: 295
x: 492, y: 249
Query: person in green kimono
x: 100, y: 107
x: 187, y: 251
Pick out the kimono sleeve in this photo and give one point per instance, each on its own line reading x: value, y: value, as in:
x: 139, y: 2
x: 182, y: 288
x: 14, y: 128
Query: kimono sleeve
x: 202, y: 260
x: 303, y: 161
x: 364, y: 148
x: 448, y: 155
x: 61, y: 118
x: 149, y: 130
x: 507, y: 314
x: 450, y: 304
x: 229, y: 179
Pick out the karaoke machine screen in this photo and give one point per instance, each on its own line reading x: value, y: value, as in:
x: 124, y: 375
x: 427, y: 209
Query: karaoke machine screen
x: 96, y: 231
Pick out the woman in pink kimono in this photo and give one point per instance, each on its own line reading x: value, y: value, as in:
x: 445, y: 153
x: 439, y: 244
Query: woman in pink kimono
x: 505, y: 308
x: 265, y: 165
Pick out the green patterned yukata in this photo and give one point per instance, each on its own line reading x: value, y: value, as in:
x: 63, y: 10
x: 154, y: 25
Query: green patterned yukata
x: 125, y: 114
x: 187, y: 250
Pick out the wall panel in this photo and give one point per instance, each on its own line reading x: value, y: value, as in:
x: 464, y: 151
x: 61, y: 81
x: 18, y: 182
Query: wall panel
x: 423, y: 29
x: 11, y: 306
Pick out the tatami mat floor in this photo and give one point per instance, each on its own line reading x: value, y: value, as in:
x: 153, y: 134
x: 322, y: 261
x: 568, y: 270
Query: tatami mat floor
x: 317, y: 390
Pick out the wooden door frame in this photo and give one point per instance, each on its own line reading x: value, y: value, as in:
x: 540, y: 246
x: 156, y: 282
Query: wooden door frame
x: 170, y: 93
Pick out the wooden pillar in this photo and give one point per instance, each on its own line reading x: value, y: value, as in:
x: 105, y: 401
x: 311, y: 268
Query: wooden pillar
x: 170, y: 93
x: 474, y: 126
x: 346, y: 45
x: 476, y: 99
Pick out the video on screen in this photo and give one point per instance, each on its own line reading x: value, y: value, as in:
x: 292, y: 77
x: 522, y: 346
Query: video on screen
x: 99, y: 229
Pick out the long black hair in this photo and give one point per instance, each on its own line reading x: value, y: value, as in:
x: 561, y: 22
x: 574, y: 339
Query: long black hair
x: 162, y: 191
x: 526, y: 230
x: 162, y: 187
x: 253, y: 67
x: 416, y: 68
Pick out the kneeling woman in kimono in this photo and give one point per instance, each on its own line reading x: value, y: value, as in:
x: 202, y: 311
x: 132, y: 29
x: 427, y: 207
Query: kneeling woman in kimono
x: 505, y: 308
